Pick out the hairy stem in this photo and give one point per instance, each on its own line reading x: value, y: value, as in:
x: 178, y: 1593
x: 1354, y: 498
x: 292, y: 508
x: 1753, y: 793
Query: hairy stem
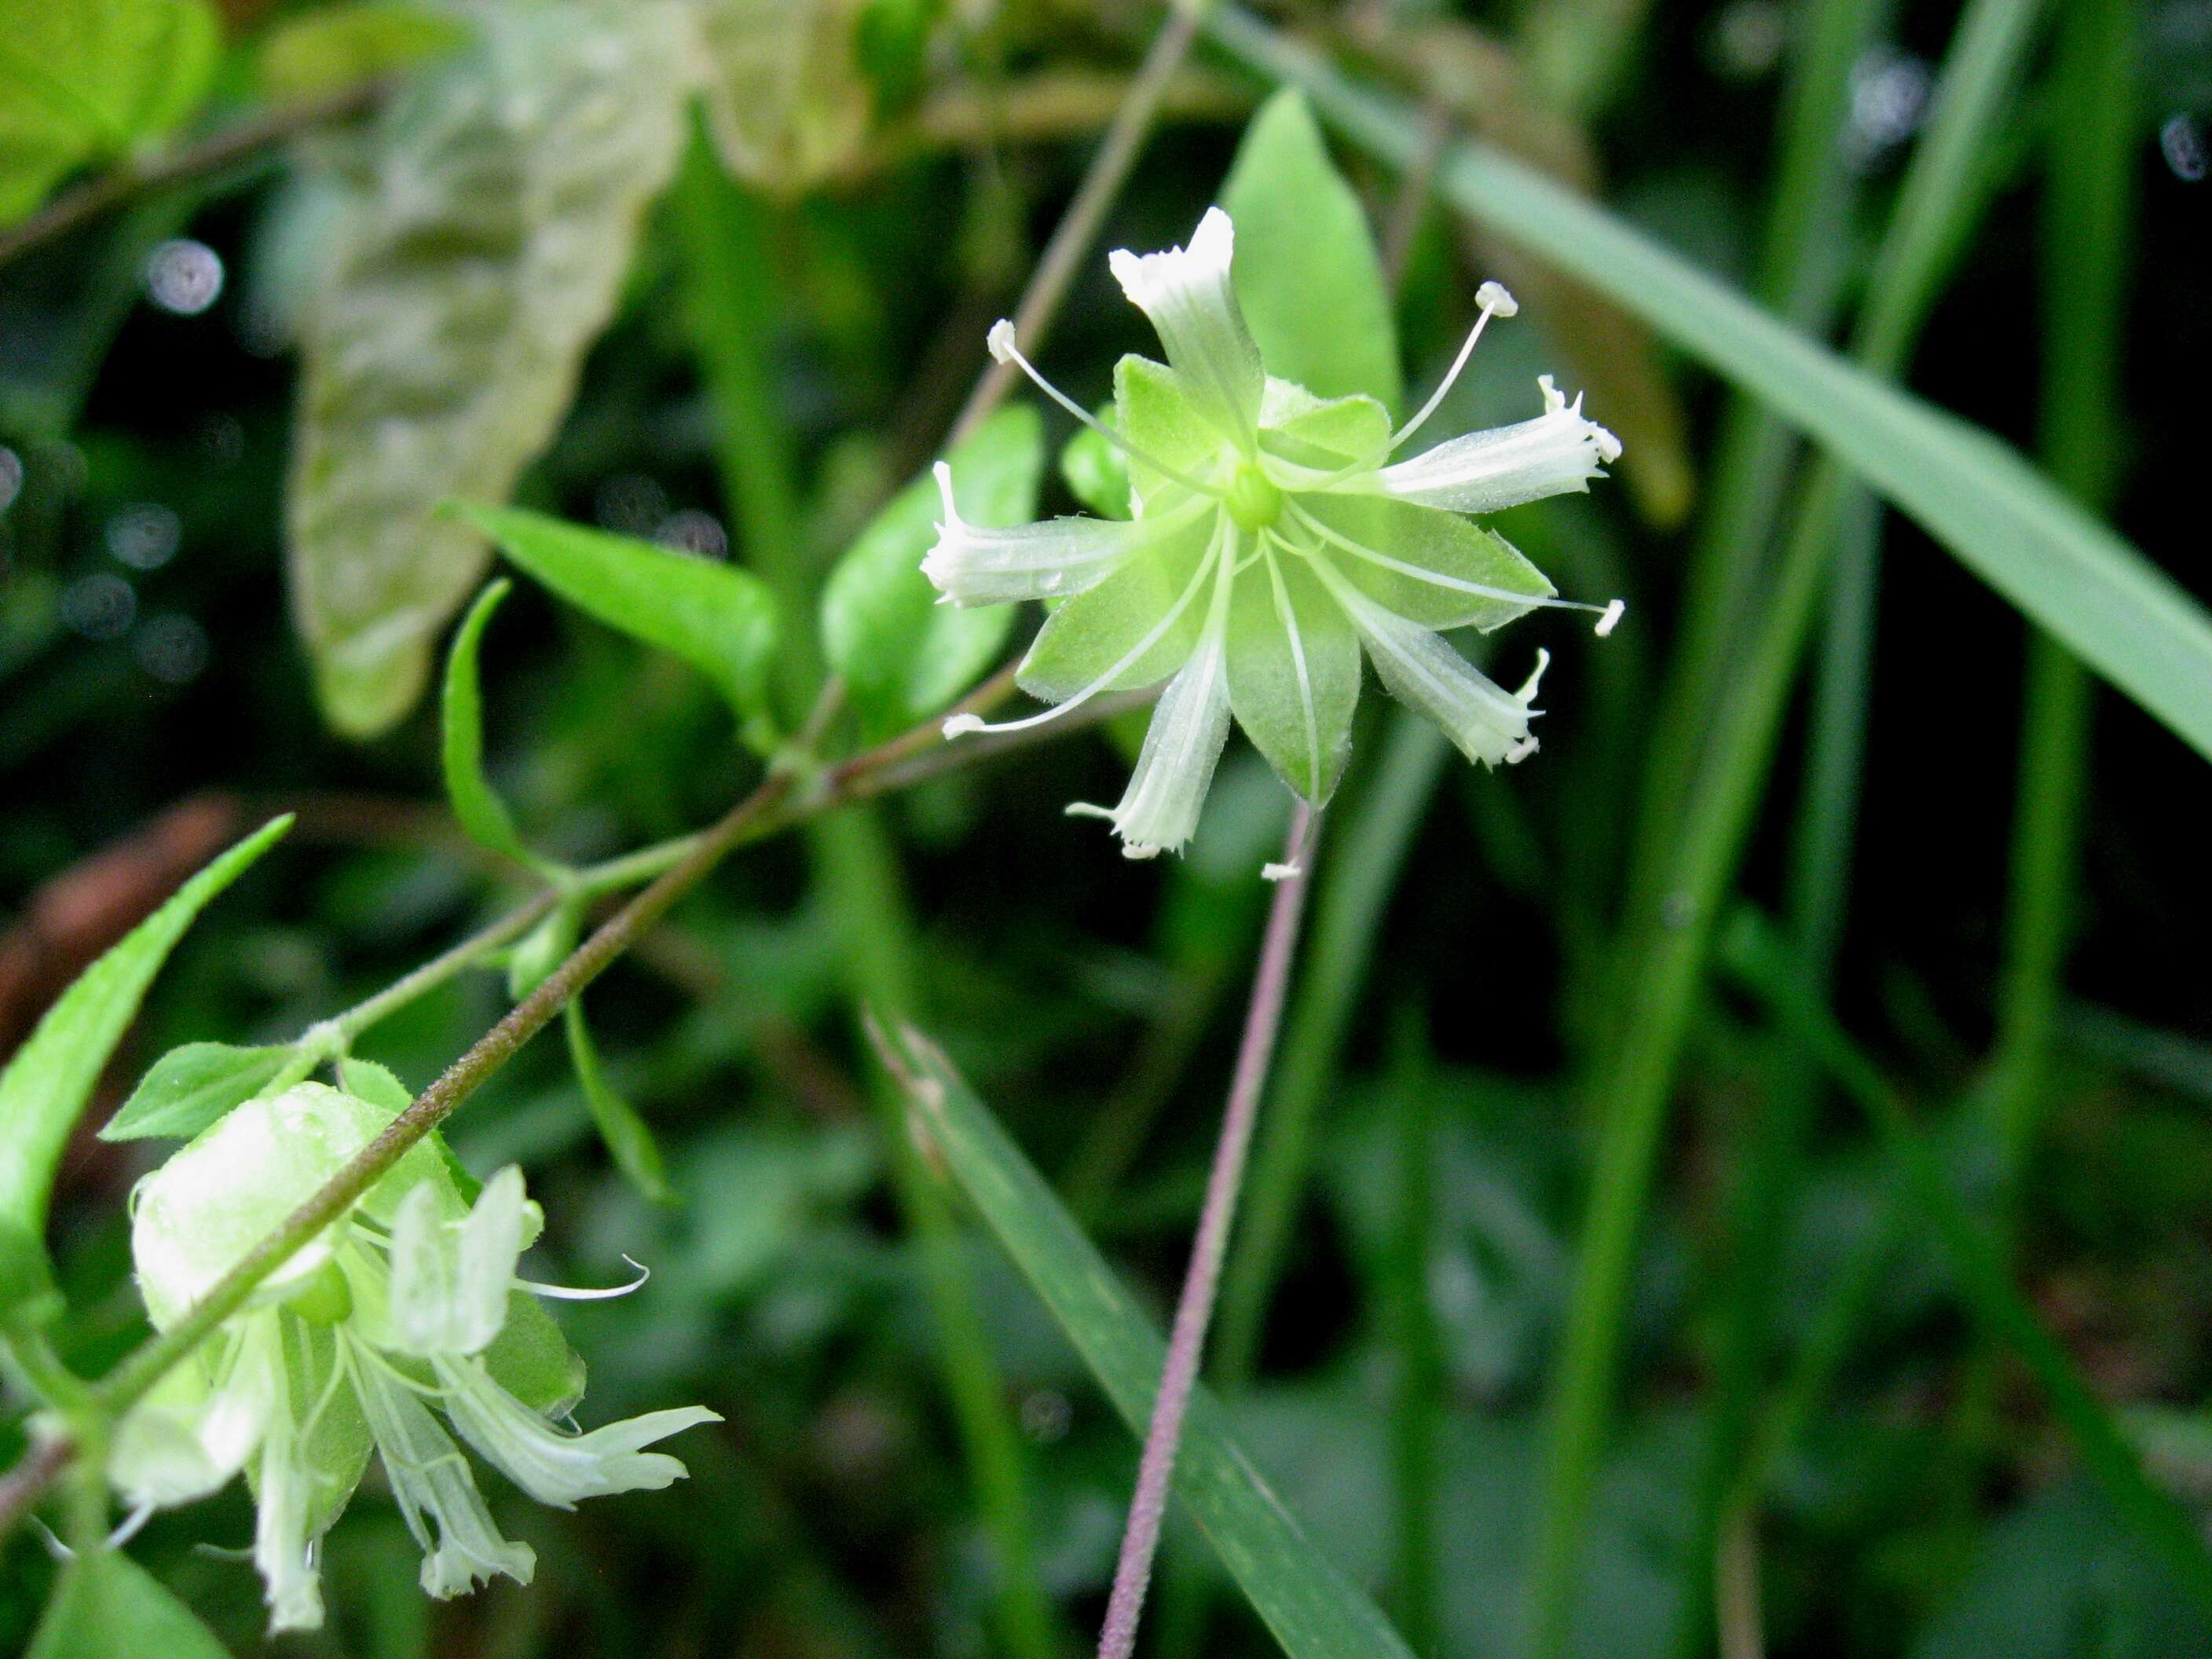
x: 1140, y: 1541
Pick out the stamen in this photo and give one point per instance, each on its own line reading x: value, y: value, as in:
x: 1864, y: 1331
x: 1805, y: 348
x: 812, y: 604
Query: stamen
x: 1609, y: 614
x: 1495, y: 302
x: 961, y: 724
x: 570, y: 1293
x: 129, y: 1528
x: 1000, y: 341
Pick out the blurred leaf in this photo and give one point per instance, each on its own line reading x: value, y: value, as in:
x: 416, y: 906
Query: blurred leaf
x: 1096, y: 473
x: 87, y: 80
x: 715, y: 616
x: 1314, y: 1611
x: 1977, y: 496
x: 787, y: 104
x: 47, y: 1082
x: 483, y: 814
x: 328, y: 50
x: 479, y: 260
x: 904, y: 656
x: 629, y: 1142
x: 190, y: 1088
x: 108, y: 1607
x: 1306, y: 271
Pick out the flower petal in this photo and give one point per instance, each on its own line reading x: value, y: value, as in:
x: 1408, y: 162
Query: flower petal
x: 1557, y: 452
x: 282, y: 1539
x: 1187, y: 293
x: 1427, y: 565
x: 1158, y: 812
x: 450, y: 1279
x: 1487, y: 722
x: 554, y: 1466
x: 1293, y: 672
x: 432, y: 1481
x: 973, y: 564
x: 195, y: 1430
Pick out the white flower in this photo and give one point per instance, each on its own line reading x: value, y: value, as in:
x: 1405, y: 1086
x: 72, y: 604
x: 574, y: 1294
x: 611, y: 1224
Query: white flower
x: 1274, y: 542
x: 391, y: 1318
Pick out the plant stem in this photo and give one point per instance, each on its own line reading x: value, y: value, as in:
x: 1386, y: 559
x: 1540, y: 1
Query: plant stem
x: 1418, y: 1380
x: 1140, y: 1540
x: 1079, y: 226
x: 234, y: 144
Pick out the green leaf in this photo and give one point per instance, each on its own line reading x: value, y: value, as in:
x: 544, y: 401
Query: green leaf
x: 192, y: 1087
x: 47, y: 1083
x: 483, y: 814
x: 335, y: 48
x: 107, y: 1606
x: 1978, y: 497
x: 90, y: 81
x: 629, y: 1142
x: 27, y: 1278
x: 904, y: 656
x: 1306, y: 270
x: 786, y: 105
x: 479, y: 257
x: 715, y: 616
x: 1313, y: 1610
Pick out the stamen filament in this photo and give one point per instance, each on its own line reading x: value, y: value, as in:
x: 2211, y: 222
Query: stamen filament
x: 571, y: 1293
x: 1495, y: 302
x: 1608, y: 614
x: 962, y: 725
x: 1001, y: 342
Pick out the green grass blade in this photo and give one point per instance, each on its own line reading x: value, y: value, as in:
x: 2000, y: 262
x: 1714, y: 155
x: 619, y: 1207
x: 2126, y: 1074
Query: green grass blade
x: 1314, y: 1611
x: 1768, y: 969
x: 1975, y: 495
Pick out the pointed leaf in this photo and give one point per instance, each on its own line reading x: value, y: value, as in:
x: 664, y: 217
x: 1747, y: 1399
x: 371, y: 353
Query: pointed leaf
x: 108, y: 1607
x: 483, y: 814
x: 47, y: 1083
x: 484, y: 254
x: 91, y: 79
x: 1313, y: 1610
x: 192, y: 1087
x: 1306, y: 269
x: 905, y: 657
x: 715, y: 616
x: 629, y: 1142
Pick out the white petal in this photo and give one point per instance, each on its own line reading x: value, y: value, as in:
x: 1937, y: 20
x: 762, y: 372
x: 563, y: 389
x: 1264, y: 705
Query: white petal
x: 1159, y: 811
x: 972, y: 565
x: 282, y: 1550
x: 431, y: 1481
x: 1487, y: 722
x: 450, y: 1281
x: 1188, y: 294
x: 1556, y: 452
x: 190, y: 1435
x: 554, y: 1466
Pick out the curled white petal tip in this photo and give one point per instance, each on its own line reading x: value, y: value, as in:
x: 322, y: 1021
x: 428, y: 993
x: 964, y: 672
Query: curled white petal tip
x: 1493, y: 296
x: 1521, y: 751
x: 1527, y: 694
x: 1000, y: 341
x: 959, y: 725
x: 1084, y: 808
x: 1280, y: 871
x: 1610, y: 619
x: 1137, y: 850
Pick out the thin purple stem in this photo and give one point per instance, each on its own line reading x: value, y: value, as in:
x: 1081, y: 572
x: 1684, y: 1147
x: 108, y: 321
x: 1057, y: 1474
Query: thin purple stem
x: 1132, y: 1573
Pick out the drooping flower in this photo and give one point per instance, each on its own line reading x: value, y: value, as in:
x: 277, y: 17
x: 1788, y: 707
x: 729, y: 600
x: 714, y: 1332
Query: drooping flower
x: 405, y: 1310
x: 1273, y: 540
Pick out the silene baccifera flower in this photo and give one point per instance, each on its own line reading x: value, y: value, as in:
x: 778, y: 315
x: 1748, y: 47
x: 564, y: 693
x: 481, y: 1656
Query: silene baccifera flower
x: 1272, y: 538
x: 405, y: 1311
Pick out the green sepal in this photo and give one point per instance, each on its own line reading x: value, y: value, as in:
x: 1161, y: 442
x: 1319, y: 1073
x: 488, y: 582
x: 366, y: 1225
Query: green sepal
x: 1293, y: 673
x: 1427, y: 538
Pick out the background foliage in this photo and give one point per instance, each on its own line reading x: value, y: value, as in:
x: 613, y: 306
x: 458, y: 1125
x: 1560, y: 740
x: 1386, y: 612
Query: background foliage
x: 1572, y: 1242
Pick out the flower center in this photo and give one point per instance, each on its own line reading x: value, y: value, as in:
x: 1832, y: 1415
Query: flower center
x: 1253, y: 502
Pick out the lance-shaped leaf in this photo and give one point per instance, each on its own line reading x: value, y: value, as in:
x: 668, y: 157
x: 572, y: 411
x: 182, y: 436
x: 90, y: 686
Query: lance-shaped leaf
x: 715, y: 616
x: 629, y: 1141
x: 903, y: 655
x: 1306, y: 270
x: 483, y: 814
x: 90, y: 81
x: 192, y: 1087
x: 46, y: 1084
x: 108, y: 1607
x: 482, y: 255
